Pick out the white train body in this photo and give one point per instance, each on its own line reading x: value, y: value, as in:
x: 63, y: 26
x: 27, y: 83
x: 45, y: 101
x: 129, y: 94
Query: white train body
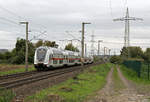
x: 48, y: 57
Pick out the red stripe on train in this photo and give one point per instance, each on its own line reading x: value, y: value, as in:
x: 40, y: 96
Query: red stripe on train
x: 65, y: 58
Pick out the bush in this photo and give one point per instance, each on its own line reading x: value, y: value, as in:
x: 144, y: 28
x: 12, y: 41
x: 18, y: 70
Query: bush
x: 116, y: 59
x: 97, y: 59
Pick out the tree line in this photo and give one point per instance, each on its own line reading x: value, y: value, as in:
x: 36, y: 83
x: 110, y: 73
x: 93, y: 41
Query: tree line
x: 17, y: 55
x: 131, y: 53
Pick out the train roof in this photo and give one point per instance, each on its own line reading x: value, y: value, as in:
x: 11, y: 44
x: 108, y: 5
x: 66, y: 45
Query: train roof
x: 59, y: 51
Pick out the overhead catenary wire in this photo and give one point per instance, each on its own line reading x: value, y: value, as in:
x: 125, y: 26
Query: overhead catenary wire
x: 109, y: 42
x: 12, y: 13
x: 19, y: 18
x: 126, y: 3
x: 15, y: 19
x: 10, y: 21
x: 110, y: 7
x: 12, y: 16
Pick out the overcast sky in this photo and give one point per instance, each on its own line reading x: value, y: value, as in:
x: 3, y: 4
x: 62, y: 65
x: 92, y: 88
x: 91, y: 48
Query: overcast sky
x: 58, y: 16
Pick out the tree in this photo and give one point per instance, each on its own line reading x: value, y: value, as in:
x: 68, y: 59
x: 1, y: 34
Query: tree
x: 132, y: 52
x: 46, y: 43
x: 18, y: 54
x: 124, y: 52
x: 39, y: 43
x: 116, y: 59
x: 71, y: 48
x: 51, y: 44
x: 146, y: 55
x: 2, y: 56
x: 135, y: 52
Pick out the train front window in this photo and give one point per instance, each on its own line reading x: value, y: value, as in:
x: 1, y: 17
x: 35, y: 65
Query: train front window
x: 41, y: 53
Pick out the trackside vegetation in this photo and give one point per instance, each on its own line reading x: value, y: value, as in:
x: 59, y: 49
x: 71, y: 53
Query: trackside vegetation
x: 75, y: 89
x: 6, y: 95
x: 132, y: 75
x: 14, y: 71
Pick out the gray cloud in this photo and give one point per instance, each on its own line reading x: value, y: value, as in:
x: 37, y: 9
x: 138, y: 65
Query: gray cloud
x: 59, y: 16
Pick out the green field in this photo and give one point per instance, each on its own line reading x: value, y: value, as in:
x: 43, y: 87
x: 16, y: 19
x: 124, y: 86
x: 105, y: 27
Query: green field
x: 13, y: 71
x: 75, y: 89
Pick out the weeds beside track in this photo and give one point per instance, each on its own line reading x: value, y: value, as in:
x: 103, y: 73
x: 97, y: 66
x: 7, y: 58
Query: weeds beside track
x: 30, y: 77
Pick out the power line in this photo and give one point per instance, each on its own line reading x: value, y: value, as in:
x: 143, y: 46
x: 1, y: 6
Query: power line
x: 110, y: 6
x: 126, y: 3
x: 7, y: 39
x: 68, y: 32
x: 9, y: 20
x: 120, y: 43
x: 92, y: 43
x: 127, y: 18
x: 12, y: 13
x: 18, y: 17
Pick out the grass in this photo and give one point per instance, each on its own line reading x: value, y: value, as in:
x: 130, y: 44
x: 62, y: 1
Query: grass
x: 132, y: 75
x: 13, y: 71
x: 144, y: 71
x: 118, y: 84
x: 75, y: 89
x: 6, y: 95
x: 142, y: 84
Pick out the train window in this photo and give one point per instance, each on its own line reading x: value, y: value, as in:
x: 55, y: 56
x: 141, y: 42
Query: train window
x: 49, y: 56
x: 60, y: 61
x: 54, y: 61
x: 41, y: 54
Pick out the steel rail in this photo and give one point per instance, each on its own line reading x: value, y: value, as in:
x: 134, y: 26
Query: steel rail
x: 31, y: 79
x: 17, y: 75
x: 41, y: 76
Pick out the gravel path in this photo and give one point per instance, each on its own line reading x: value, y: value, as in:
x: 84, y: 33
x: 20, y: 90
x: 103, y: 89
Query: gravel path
x: 127, y: 94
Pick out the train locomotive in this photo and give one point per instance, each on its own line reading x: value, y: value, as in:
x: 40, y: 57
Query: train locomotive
x: 47, y: 58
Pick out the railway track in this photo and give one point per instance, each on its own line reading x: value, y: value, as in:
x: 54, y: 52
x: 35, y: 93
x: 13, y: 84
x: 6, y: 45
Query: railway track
x: 23, y: 74
x: 38, y: 77
x: 35, y: 76
x: 17, y: 75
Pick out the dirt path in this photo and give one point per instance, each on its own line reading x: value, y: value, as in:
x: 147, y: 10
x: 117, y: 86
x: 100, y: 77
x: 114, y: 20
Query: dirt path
x: 106, y: 91
x: 127, y: 94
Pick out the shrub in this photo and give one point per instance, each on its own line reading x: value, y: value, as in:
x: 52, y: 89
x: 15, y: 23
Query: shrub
x: 116, y: 59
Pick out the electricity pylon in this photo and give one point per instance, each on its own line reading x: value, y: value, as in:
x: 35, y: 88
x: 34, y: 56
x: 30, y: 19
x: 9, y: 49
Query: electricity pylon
x: 127, y: 18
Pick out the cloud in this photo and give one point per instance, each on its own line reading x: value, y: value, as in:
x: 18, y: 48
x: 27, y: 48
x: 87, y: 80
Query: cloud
x: 58, y: 16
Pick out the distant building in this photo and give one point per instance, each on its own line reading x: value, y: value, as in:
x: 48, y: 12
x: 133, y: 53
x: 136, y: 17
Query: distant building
x: 3, y: 50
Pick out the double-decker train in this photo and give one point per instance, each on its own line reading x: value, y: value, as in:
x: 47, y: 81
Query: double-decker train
x: 48, y: 58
